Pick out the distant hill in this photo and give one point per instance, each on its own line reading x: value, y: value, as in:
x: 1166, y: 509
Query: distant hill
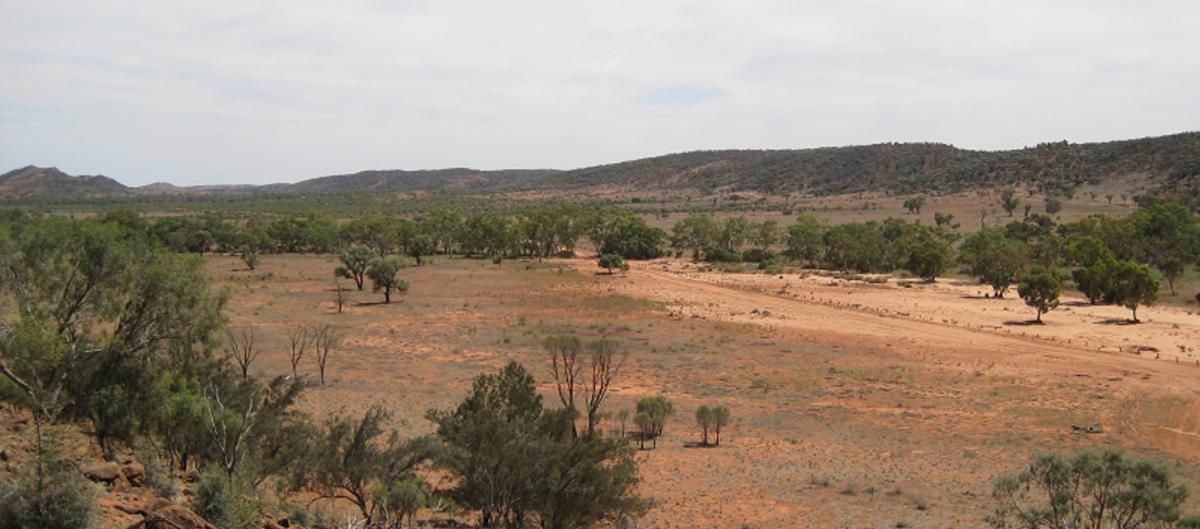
x: 454, y: 179
x: 33, y: 181
x: 900, y: 167
x: 1171, y: 161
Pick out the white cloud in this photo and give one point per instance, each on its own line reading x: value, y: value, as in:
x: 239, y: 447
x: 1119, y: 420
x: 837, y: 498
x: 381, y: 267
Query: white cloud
x: 203, y: 92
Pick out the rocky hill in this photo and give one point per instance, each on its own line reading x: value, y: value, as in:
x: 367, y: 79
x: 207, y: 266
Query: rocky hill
x: 32, y: 181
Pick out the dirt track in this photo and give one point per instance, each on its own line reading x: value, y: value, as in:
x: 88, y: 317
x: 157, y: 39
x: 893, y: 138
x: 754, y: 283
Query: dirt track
x: 986, y: 395
x: 851, y: 311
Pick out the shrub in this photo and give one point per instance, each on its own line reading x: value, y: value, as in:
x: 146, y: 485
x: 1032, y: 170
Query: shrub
x: 611, y: 261
x: 54, y: 496
x: 225, y: 503
x: 250, y: 257
x: 158, y: 476
x: 717, y: 254
x: 757, y: 255
x: 1089, y: 490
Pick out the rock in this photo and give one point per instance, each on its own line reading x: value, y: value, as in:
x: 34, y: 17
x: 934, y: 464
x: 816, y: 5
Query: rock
x: 103, y: 471
x: 173, y: 516
x: 134, y: 472
x: 129, y: 509
x: 158, y: 504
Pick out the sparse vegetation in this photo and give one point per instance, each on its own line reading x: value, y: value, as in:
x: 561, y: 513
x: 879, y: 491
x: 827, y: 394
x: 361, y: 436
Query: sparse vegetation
x: 1105, y: 490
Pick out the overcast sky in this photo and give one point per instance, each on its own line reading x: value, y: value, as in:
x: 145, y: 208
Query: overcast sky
x: 255, y: 92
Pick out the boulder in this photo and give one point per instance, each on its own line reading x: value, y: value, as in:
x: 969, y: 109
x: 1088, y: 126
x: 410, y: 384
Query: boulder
x: 158, y: 504
x: 134, y: 472
x: 103, y: 471
x: 173, y: 516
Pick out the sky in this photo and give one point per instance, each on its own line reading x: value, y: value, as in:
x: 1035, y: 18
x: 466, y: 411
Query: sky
x: 242, y: 91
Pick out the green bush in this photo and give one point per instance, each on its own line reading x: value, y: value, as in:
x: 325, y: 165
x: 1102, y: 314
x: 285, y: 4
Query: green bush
x: 225, y: 503
x: 54, y: 496
x: 757, y: 255
x: 158, y: 475
x: 717, y: 254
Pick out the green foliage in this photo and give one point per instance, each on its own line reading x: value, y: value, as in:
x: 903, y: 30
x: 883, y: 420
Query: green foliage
x: 925, y: 252
x: 401, y: 499
x: 805, y: 238
x: 1087, y: 251
x: 250, y: 257
x: 489, y: 439
x: 51, y: 495
x: 650, y: 416
x: 695, y: 233
x: 551, y: 231
x: 1053, y: 205
x: 384, y: 273
x: 1094, y: 281
x: 712, y: 419
x: 623, y: 233
x: 1040, y: 289
x: 994, y: 258
x: 351, y: 462
x: 1170, y: 235
x: 1103, y: 491
x: 612, y: 261
x: 1009, y: 201
x: 1132, y: 285
x: 226, y: 503
x: 102, y: 314
x: 355, y: 261
x: 311, y: 232
x: 944, y: 220
x: 914, y: 204
x: 514, y: 460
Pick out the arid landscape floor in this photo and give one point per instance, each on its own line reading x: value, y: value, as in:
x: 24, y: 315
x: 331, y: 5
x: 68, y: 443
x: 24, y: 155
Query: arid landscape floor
x: 855, y: 404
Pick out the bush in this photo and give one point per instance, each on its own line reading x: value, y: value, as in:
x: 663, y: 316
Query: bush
x: 1049, y: 493
x: 54, y: 497
x: 721, y: 255
x: 225, y: 503
x: 757, y: 255
x: 611, y: 261
x: 158, y: 475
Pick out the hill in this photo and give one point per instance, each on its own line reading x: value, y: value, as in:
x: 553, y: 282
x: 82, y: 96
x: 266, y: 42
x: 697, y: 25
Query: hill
x: 1168, y: 161
x: 902, y: 167
x: 33, y: 181
x: 453, y: 179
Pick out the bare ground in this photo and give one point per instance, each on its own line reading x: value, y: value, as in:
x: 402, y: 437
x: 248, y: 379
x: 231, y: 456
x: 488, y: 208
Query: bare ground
x: 855, y: 404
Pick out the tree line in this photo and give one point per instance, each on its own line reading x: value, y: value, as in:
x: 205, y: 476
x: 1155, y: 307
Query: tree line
x: 536, y: 233
x: 1120, y: 261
